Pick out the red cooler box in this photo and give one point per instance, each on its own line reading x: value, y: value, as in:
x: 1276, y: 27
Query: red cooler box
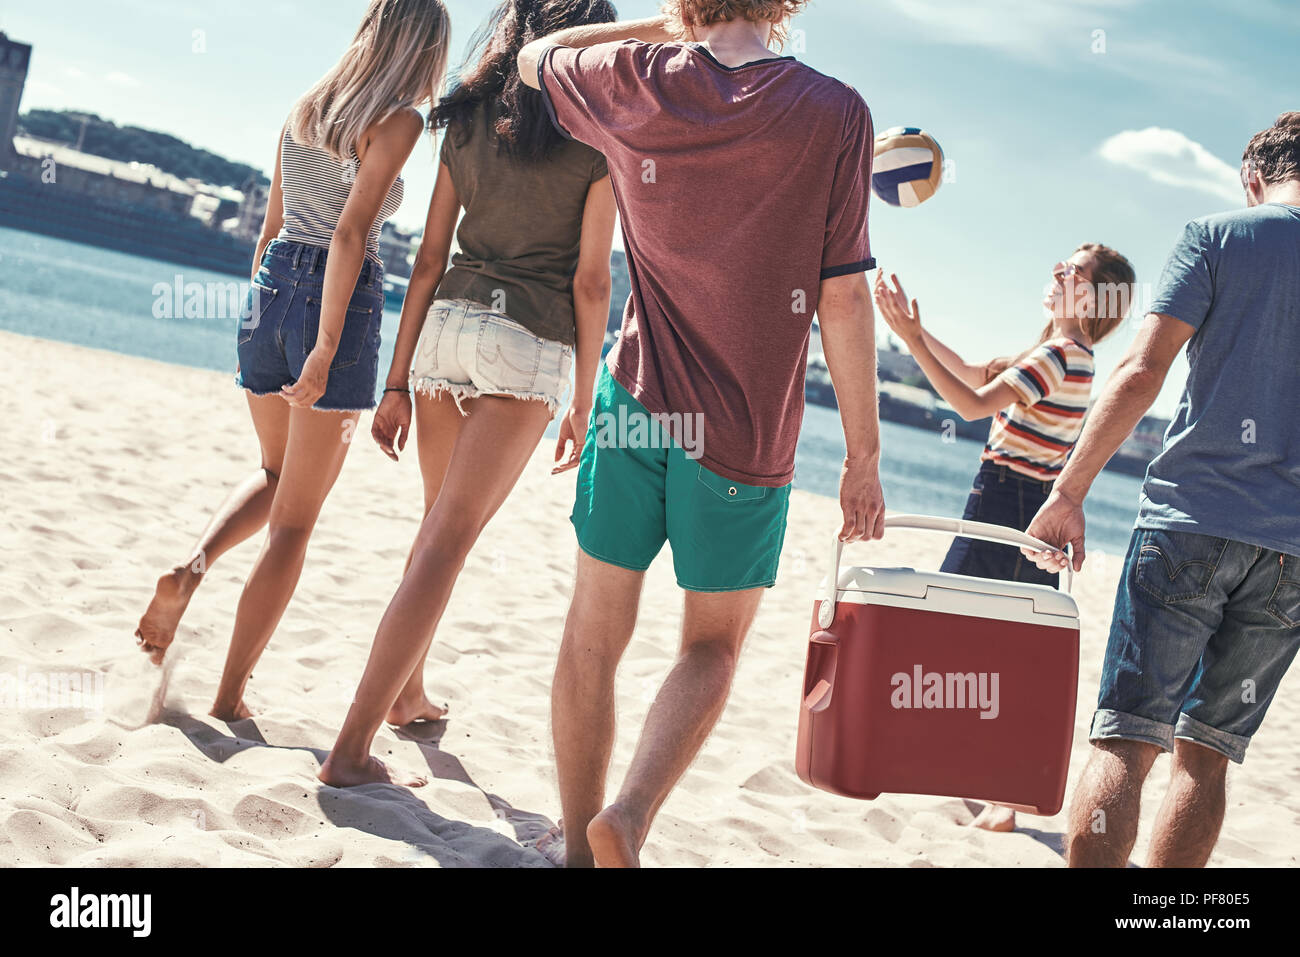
x: 929, y: 683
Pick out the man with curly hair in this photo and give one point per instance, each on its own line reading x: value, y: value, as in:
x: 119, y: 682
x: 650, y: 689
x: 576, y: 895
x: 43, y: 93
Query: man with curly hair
x: 1207, y: 617
x: 742, y: 180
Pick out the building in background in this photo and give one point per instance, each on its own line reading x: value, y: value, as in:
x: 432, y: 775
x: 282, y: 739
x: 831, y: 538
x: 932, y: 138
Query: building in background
x: 397, y: 250
x: 14, y: 60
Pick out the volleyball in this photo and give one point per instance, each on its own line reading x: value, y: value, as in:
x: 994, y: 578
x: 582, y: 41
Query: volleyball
x: 908, y: 166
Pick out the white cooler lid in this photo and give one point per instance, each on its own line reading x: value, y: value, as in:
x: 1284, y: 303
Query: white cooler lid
x: 958, y: 595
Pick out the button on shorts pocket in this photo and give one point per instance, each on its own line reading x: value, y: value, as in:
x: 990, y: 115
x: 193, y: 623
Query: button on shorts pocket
x: 1284, y: 605
x: 1175, y: 567
x: 730, y: 491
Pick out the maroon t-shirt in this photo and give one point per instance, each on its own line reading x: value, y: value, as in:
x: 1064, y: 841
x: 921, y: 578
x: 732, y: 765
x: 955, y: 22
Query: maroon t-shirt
x: 739, y: 189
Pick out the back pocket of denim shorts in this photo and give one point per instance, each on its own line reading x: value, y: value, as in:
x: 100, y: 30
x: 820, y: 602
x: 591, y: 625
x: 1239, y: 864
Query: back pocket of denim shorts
x: 1174, y: 567
x: 358, y: 323
x: 1284, y: 605
x: 256, y: 305
x: 508, y: 355
x: 730, y: 491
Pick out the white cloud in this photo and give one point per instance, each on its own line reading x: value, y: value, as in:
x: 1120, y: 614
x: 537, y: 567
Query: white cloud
x: 117, y: 78
x: 1033, y: 31
x: 1169, y: 157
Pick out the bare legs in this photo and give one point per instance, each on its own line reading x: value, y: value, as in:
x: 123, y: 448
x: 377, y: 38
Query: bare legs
x: 316, y: 446
x: 437, y: 426
x: 682, y: 716
x: 495, y: 443
x: 240, y: 516
x: 1187, y: 827
x: 1104, y: 813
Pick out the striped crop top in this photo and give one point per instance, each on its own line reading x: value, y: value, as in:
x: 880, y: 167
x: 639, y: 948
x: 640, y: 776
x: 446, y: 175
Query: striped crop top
x: 1035, y: 435
x: 316, y: 187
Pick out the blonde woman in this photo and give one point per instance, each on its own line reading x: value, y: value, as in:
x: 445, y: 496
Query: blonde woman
x: 308, y: 343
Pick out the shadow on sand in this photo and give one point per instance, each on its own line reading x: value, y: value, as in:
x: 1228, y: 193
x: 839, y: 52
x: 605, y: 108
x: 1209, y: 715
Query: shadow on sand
x: 390, y: 812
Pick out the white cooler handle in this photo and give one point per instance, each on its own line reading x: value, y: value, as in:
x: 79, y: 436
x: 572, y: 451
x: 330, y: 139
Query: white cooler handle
x: 959, y: 527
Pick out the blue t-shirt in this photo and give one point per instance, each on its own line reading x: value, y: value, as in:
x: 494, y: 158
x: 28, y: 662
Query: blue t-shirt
x: 1230, y: 466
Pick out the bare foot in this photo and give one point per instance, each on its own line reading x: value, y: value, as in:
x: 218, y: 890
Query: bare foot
x: 612, y: 839
x: 157, y: 628
x: 407, y: 712
x: 236, y: 712
x: 339, y: 774
x: 994, y: 817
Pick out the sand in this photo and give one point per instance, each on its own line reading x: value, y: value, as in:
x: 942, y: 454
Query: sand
x: 113, y: 466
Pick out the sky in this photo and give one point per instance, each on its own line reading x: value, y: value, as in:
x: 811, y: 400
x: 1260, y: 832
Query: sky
x: 1064, y: 122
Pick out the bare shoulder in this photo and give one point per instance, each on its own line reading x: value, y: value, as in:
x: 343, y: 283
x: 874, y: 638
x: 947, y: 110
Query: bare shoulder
x: 398, y: 131
x: 402, y: 126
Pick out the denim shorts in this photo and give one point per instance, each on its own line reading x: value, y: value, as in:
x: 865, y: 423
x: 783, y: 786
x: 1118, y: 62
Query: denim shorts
x: 1204, y: 629
x: 467, y: 350
x: 1000, y: 496
x: 278, y: 328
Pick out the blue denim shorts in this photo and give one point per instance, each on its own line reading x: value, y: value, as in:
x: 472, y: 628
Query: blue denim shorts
x: 1000, y: 496
x: 277, y: 330
x: 1204, y: 629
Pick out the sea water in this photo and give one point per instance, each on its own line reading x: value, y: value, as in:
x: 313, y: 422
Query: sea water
x: 143, y: 307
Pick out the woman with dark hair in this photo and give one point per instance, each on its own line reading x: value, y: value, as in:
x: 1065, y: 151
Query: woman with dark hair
x: 487, y: 345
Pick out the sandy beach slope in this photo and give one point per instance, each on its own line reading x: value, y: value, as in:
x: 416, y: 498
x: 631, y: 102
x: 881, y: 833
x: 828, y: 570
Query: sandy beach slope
x: 113, y: 465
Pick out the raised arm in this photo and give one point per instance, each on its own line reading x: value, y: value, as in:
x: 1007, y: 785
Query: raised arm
x: 392, y: 422
x: 591, y: 292
x: 651, y: 30
x: 849, y: 344
x: 961, y: 384
x: 389, y: 144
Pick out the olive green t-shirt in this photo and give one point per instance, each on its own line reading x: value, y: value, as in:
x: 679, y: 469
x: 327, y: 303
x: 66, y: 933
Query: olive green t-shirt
x: 522, y: 228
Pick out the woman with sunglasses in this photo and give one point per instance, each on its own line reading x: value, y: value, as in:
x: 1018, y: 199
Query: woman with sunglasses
x: 1037, y: 399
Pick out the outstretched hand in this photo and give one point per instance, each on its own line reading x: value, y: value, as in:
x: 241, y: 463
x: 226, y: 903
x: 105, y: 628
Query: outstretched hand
x: 893, y: 305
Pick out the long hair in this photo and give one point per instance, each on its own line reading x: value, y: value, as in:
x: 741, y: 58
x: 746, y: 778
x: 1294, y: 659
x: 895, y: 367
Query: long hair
x: 1112, y: 285
x: 397, y: 59
x: 490, y: 74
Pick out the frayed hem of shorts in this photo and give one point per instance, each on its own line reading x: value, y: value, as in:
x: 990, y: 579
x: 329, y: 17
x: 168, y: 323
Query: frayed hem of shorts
x: 314, y: 408
x: 459, y: 392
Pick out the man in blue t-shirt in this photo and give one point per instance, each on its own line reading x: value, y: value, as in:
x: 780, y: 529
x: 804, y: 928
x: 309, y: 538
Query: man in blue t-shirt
x: 1207, y: 618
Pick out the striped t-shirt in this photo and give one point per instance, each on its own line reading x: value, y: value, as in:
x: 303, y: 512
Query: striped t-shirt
x: 316, y: 186
x: 1034, y: 435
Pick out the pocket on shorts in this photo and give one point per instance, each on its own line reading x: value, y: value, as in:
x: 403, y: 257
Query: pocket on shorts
x: 1284, y: 605
x: 729, y: 491
x: 1175, y: 567
x: 260, y: 298
x: 507, y: 355
x: 358, y: 323
x: 425, y: 363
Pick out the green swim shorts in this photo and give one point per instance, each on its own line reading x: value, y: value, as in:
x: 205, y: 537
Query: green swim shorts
x: 637, y: 488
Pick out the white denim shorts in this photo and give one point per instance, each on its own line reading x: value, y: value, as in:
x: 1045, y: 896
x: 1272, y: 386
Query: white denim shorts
x: 467, y: 350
